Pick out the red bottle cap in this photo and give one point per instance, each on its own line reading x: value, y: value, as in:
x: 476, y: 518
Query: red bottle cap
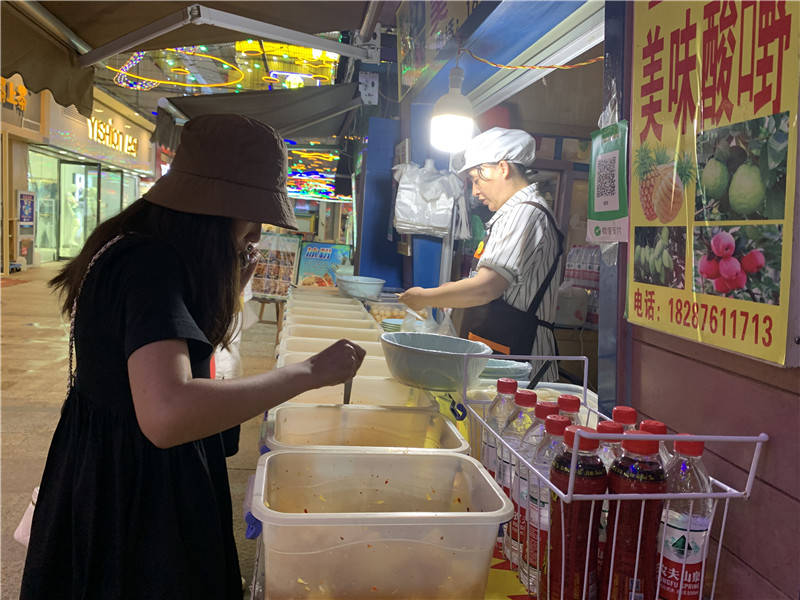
x: 526, y: 398
x: 624, y: 414
x: 643, y: 447
x: 688, y: 448
x: 543, y: 409
x: 506, y: 385
x: 651, y: 426
x: 569, y: 403
x: 556, y: 424
x: 585, y: 443
x: 610, y: 427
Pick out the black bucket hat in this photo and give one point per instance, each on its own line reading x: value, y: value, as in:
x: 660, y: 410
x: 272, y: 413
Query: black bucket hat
x: 228, y: 166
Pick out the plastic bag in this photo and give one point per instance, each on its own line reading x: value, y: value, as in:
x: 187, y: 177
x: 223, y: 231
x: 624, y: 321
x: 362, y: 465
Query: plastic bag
x: 412, y: 323
x: 425, y: 199
x: 445, y: 323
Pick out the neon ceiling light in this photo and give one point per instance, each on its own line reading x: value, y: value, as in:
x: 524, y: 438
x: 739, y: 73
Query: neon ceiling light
x: 123, y: 73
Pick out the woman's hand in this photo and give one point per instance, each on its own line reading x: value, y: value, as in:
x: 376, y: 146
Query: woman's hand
x: 336, y: 364
x: 414, y: 298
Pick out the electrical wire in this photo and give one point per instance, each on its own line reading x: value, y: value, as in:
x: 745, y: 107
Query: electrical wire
x: 530, y: 67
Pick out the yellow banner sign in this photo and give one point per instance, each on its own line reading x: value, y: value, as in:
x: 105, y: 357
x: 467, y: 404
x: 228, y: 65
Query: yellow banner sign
x: 713, y: 155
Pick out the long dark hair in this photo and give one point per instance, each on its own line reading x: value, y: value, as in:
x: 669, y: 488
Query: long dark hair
x: 206, y: 246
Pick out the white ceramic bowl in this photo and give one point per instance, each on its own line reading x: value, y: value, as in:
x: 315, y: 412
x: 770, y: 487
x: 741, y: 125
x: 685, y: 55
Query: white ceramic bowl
x: 431, y: 361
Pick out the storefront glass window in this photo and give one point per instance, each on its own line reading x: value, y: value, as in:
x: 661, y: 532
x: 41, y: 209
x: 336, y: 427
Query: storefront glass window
x: 110, y: 193
x: 130, y: 190
x: 78, y: 206
x: 43, y: 180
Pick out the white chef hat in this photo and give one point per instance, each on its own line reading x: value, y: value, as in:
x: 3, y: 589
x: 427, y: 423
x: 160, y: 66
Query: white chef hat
x: 494, y: 145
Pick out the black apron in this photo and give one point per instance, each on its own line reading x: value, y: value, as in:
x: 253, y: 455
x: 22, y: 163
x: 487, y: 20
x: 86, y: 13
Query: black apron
x: 502, y: 327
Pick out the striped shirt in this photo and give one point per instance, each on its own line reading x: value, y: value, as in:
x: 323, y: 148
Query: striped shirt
x: 521, y: 248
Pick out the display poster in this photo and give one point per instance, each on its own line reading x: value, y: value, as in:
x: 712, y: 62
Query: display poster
x: 713, y: 155
x: 26, y: 201
x: 276, y: 270
x: 318, y: 263
x: 607, y: 215
x: 424, y: 28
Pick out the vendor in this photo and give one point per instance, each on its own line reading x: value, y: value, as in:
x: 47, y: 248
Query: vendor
x: 510, y: 296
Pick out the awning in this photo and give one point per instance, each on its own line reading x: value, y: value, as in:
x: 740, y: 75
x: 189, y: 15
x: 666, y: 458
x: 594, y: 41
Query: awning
x: 41, y: 41
x: 309, y: 112
x: 43, y: 61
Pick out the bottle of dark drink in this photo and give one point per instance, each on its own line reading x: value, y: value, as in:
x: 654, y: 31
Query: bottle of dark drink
x: 573, y: 540
x: 637, y: 471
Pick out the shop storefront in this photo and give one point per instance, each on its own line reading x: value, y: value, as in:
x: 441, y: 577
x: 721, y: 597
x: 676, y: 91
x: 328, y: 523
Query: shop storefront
x: 90, y: 170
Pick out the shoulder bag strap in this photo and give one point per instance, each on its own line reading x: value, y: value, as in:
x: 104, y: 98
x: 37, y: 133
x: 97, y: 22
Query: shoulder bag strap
x: 98, y: 254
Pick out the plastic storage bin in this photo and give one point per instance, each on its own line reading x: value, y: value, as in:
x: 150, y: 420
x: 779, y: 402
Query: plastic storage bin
x: 331, y: 426
x: 376, y: 391
x: 345, y: 312
x: 353, y: 525
x: 303, y: 344
x: 331, y: 302
x: 373, y: 366
x: 293, y: 319
x: 332, y: 333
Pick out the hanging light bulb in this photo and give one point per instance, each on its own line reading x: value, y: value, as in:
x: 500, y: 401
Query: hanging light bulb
x: 452, y: 122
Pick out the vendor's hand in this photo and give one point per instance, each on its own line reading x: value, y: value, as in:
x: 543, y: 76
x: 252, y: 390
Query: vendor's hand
x: 336, y: 364
x: 414, y: 298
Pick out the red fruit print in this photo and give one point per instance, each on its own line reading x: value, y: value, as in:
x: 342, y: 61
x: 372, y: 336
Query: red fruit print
x: 708, y: 267
x: 723, y: 244
x: 729, y: 267
x: 721, y: 285
x: 753, y: 261
x: 739, y: 282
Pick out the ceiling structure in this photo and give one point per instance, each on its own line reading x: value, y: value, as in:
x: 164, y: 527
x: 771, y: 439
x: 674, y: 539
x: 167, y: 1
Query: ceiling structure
x: 51, y: 40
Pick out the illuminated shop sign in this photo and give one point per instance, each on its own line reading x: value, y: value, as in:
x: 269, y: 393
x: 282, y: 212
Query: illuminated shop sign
x: 105, y: 133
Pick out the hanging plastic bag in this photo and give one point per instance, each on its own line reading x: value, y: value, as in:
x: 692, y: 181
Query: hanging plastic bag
x: 445, y: 323
x: 426, y: 325
x: 425, y: 199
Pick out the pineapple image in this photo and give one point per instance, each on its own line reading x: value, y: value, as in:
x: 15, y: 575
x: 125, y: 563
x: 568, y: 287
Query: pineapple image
x: 661, y: 182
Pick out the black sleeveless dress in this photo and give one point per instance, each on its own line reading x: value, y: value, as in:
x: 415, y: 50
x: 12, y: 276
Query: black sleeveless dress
x: 117, y: 517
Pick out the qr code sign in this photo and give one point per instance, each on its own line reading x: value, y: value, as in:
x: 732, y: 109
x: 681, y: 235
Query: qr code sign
x: 606, y: 196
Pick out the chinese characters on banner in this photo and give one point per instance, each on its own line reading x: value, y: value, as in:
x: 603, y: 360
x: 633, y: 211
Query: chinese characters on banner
x: 13, y: 95
x: 713, y: 155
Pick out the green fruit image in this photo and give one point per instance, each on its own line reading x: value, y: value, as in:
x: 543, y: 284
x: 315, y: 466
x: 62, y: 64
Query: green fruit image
x: 665, y: 235
x: 747, y: 191
x: 715, y: 179
x: 667, y: 260
x: 659, y: 247
x: 637, y: 255
x: 737, y: 156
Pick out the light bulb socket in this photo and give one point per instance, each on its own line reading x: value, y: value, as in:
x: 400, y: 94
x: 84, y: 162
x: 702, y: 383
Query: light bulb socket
x: 456, y: 78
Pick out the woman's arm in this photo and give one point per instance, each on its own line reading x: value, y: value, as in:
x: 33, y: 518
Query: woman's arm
x: 486, y: 286
x: 173, y: 408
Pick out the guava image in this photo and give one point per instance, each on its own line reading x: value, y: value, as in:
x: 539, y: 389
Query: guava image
x: 747, y: 191
x: 715, y: 179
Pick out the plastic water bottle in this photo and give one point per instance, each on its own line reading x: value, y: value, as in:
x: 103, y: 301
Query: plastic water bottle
x: 519, y: 424
x: 569, y: 406
x: 658, y: 428
x: 684, y: 538
x: 497, y: 415
x: 608, y: 451
x: 625, y: 415
x: 538, y: 513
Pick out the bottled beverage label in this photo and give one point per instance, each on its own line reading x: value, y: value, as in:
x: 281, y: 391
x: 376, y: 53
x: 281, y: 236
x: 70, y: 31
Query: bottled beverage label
x: 682, y: 543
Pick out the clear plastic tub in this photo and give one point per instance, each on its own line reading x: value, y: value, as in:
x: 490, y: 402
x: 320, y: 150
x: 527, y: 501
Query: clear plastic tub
x: 346, y: 312
x: 331, y: 426
x: 353, y: 525
x: 303, y: 344
x: 327, y: 302
x: 372, y: 366
x: 376, y: 391
x: 333, y: 333
x: 294, y: 319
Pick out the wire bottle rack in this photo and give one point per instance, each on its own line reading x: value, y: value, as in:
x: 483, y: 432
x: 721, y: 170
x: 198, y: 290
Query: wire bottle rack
x: 533, y: 559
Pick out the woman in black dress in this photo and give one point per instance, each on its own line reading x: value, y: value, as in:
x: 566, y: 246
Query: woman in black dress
x: 134, y: 501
